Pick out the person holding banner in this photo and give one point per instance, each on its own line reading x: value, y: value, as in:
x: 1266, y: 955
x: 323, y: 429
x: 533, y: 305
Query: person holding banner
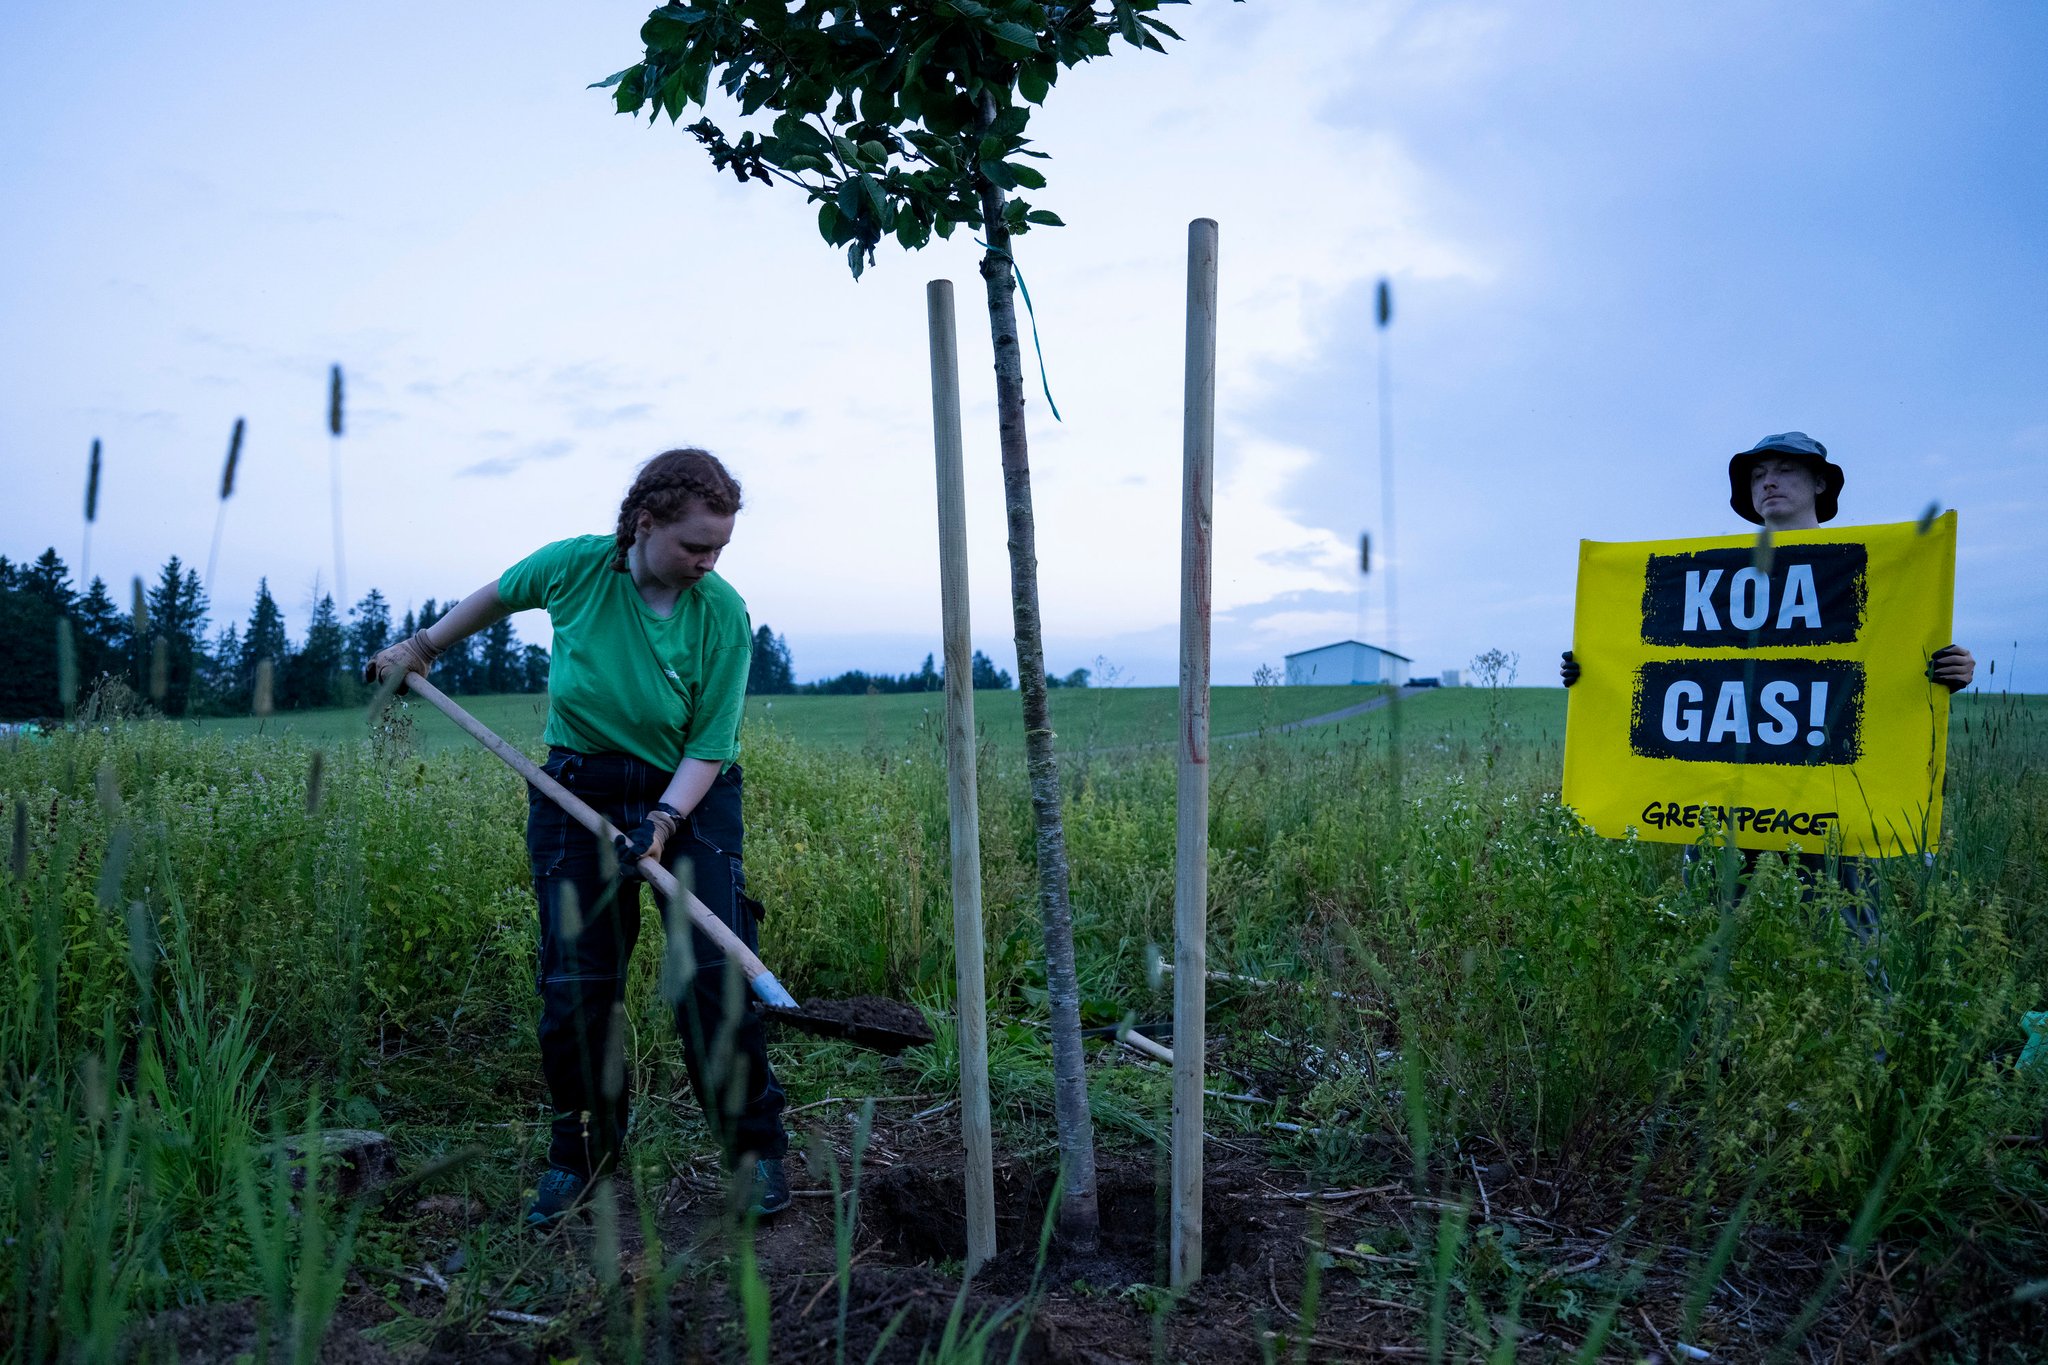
x: 1787, y: 483
x: 1784, y: 483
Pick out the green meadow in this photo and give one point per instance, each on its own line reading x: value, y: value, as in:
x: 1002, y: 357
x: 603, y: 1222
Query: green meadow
x: 1566, y: 1100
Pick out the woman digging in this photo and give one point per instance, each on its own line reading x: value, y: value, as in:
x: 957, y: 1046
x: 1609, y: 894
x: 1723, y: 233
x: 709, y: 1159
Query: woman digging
x: 645, y: 690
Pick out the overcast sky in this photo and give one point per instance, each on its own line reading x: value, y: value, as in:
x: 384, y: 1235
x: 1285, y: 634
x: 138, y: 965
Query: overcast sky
x: 1625, y: 240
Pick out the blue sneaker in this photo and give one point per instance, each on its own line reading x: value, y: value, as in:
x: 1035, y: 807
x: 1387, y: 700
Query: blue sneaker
x: 768, y: 1188
x: 560, y: 1194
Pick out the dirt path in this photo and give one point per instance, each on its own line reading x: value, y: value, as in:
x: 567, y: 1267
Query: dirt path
x: 1331, y: 717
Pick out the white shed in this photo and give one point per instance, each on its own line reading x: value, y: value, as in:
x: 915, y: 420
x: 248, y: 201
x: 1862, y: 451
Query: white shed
x: 1347, y: 662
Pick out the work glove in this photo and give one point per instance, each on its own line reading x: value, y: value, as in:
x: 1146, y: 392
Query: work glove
x: 1569, y: 669
x: 414, y: 654
x: 1953, y: 667
x: 649, y: 838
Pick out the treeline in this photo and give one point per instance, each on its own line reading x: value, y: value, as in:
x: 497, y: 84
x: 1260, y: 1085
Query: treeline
x: 774, y: 674
x: 59, y: 646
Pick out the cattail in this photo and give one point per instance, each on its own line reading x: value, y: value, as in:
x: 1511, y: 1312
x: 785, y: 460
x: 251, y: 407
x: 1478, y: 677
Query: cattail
x: 67, y: 665
x: 1927, y: 517
x: 334, y: 476
x: 1760, y: 555
x: 159, y: 669
x: 92, y: 507
x: 313, y: 784
x: 139, y: 611
x: 1384, y: 304
x: 227, y: 475
x: 107, y: 786
x: 265, y: 672
x: 227, y: 490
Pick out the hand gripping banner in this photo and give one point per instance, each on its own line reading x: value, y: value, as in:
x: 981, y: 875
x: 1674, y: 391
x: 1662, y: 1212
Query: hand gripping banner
x: 1776, y: 691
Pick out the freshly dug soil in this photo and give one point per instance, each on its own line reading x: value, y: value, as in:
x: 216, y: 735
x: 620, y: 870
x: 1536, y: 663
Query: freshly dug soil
x: 872, y: 1011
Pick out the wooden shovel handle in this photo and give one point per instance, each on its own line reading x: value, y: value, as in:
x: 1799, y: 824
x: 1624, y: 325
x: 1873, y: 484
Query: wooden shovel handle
x: 758, y: 976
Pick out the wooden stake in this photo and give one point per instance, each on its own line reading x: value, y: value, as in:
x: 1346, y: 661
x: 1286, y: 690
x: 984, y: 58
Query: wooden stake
x: 1191, y: 872
x: 971, y: 1005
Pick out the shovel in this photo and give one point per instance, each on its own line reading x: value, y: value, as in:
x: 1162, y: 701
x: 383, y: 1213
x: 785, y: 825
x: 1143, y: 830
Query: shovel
x: 840, y: 1020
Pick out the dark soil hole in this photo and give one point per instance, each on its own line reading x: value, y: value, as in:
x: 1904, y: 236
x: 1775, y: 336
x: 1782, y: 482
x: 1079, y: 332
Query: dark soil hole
x: 918, y: 1212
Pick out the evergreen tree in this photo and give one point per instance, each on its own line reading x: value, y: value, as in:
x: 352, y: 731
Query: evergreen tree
x: 369, y: 630
x: 772, y: 673
x: 533, y: 669
x: 928, y: 679
x: 987, y: 677
x: 32, y: 600
x: 49, y: 580
x: 177, y: 609
x: 311, y: 676
x: 99, y: 632
x: 498, y: 662
x: 217, y: 690
x: 263, y: 638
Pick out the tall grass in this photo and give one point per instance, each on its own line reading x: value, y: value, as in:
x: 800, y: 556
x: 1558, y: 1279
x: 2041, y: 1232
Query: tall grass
x: 192, y: 948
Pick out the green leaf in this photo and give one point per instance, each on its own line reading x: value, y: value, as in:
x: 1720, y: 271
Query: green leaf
x: 1127, y: 22
x: 609, y: 81
x: 856, y: 260
x: 875, y: 152
x: 1016, y: 36
x: 872, y: 188
x: 829, y: 223
x: 1032, y: 82
x: 696, y: 83
x: 849, y: 198
x: 1045, y: 218
x: 1026, y: 176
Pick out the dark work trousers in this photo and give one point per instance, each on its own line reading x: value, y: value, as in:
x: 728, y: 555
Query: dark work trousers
x: 588, y: 926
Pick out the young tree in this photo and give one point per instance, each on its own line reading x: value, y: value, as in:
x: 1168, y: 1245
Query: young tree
x: 905, y: 117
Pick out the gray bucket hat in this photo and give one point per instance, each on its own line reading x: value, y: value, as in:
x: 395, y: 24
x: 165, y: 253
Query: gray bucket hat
x: 1795, y: 445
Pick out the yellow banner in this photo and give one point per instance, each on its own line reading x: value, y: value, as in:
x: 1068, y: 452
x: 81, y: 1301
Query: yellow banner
x: 1778, y: 691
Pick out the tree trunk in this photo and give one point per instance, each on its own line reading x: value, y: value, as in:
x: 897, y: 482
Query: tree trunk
x: 1078, y: 1222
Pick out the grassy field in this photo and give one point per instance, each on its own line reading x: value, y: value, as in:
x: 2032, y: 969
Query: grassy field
x: 1564, y: 1103
x: 1089, y: 718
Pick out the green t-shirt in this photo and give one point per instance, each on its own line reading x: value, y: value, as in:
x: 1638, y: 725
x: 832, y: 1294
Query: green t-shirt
x: 624, y: 679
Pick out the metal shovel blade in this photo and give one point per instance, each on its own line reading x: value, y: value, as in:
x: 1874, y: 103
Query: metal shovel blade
x: 868, y: 1021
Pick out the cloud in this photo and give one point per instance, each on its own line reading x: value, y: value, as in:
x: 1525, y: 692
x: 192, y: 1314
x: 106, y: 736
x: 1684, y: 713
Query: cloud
x: 497, y: 466
x: 593, y: 418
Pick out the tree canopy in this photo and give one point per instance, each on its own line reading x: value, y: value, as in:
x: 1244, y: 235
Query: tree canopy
x: 876, y: 108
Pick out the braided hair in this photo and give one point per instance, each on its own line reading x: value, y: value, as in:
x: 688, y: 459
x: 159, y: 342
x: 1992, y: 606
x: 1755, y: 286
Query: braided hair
x: 666, y: 486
